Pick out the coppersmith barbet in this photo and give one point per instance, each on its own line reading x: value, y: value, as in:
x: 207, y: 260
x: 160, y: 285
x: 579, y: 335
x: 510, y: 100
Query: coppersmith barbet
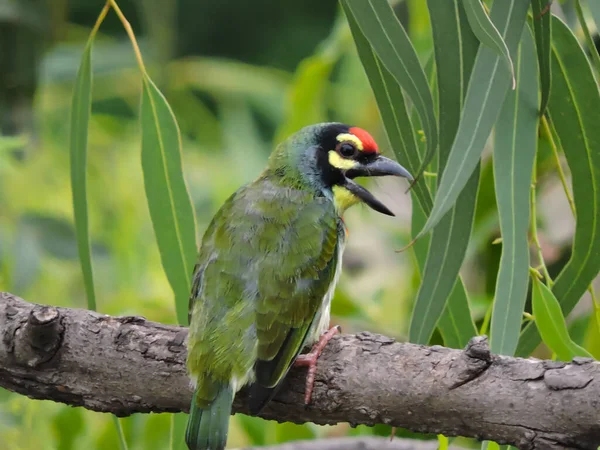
x: 267, y: 269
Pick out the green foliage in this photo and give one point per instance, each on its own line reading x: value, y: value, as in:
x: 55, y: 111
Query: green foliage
x: 168, y: 199
x: 455, y: 47
x: 80, y: 116
x: 439, y: 73
x: 514, y: 154
x: 551, y: 323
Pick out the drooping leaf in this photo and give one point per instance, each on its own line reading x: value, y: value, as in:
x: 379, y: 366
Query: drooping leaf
x: 487, y: 33
x: 391, y: 104
x: 514, y: 153
x: 551, y: 323
x: 542, y: 27
x: 488, y: 85
x: 391, y: 44
x: 573, y: 106
x: 455, y: 49
x: 445, y: 256
x: 456, y: 324
x: 80, y: 117
x: 168, y: 198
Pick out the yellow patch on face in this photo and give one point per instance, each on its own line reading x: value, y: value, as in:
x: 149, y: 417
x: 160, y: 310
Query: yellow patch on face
x: 337, y: 161
x: 343, y: 199
x: 345, y: 137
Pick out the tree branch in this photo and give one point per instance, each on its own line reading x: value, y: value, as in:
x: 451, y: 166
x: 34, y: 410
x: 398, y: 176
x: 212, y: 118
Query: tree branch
x: 125, y: 365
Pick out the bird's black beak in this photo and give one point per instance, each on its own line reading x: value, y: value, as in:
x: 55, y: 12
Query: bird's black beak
x: 378, y: 167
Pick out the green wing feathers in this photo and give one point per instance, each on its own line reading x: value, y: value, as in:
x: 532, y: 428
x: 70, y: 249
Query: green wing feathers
x: 267, y: 260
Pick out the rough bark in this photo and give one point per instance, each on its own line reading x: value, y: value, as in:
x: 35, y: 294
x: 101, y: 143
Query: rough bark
x: 125, y: 365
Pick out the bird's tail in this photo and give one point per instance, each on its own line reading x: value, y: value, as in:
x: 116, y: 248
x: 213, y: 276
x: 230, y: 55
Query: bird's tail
x: 207, y: 427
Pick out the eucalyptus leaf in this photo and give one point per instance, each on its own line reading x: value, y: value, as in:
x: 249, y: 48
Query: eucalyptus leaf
x: 487, y: 33
x: 394, y: 49
x: 439, y: 295
x: 551, y: 323
x: 168, y: 198
x: 573, y: 106
x: 80, y: 117
x: 487, y: 89
x: 542, y: 27
x: 514, y: 153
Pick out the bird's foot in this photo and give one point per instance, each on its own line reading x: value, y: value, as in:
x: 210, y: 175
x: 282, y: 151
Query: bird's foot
x: 310, y: 360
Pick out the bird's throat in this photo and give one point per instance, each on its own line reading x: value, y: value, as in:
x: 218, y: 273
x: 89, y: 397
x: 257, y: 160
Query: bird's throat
x: 343, y: 199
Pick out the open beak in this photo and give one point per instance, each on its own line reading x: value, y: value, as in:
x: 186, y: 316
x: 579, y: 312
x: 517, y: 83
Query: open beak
x: 378, y: 167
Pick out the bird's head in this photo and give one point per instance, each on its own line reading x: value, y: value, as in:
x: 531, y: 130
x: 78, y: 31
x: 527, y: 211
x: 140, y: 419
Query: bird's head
x: 330, y: 156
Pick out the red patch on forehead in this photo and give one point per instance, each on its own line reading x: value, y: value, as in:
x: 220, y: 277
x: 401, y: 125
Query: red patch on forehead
x: 369, y: 144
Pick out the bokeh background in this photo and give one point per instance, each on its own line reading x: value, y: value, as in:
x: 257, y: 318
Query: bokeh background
x: 240, y: 76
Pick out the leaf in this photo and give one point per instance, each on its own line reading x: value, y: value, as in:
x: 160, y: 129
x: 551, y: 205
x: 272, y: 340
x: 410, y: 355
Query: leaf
x: 444, y: 258
x: 389, y: 40
x: 488, y: 86
x: 80, y: 117
x: 551, y: 323
x: 455, y: 49
x: 168, y: 198
x: 514, y: 153
x: 391, y: 104
x: 456, y: 325
x: 573, y: 107
x: 487, y: 33
x: 542, y: 27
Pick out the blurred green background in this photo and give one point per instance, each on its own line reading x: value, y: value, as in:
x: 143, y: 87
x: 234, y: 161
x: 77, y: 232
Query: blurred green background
x: 240, y: 76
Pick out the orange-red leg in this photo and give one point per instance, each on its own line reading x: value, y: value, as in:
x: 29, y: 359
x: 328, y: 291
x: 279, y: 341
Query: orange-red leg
x: 310, y: 360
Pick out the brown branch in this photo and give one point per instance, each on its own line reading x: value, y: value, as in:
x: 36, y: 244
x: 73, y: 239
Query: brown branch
x: 125, y: 365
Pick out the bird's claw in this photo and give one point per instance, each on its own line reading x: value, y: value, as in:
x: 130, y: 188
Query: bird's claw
x: 310, y: 360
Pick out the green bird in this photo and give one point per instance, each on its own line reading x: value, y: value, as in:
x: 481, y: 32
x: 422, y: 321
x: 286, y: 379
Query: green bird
x: 267, y: 269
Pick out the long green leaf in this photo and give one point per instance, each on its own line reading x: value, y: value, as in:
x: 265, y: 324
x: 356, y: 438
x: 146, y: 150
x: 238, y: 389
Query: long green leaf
x: 168, y: 198
x: 456, y: 324
x: 394, y: 49
x: 551, y: 323
x: 514, y: 152
x: 391, y: 104
x: 488, y: 86
x: 573, y: 108
x: 455, y: 50
x: 487, y: 33
x: 542, y: 27
x: 80, y: 117
x: 445, y: 256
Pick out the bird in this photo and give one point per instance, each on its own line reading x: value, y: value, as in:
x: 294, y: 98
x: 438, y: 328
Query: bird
x: 267, y: 269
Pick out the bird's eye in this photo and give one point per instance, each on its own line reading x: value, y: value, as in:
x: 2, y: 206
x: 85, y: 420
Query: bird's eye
x: 347, y: 150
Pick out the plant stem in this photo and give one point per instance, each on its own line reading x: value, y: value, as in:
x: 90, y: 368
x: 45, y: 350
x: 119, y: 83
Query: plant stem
x: 551, y: 133
x: 99, y: 20
x: 486, y: 320
x: 533, y: 221
x: 120, y: 432
x: 130, y: 33
x: 588, y: 37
